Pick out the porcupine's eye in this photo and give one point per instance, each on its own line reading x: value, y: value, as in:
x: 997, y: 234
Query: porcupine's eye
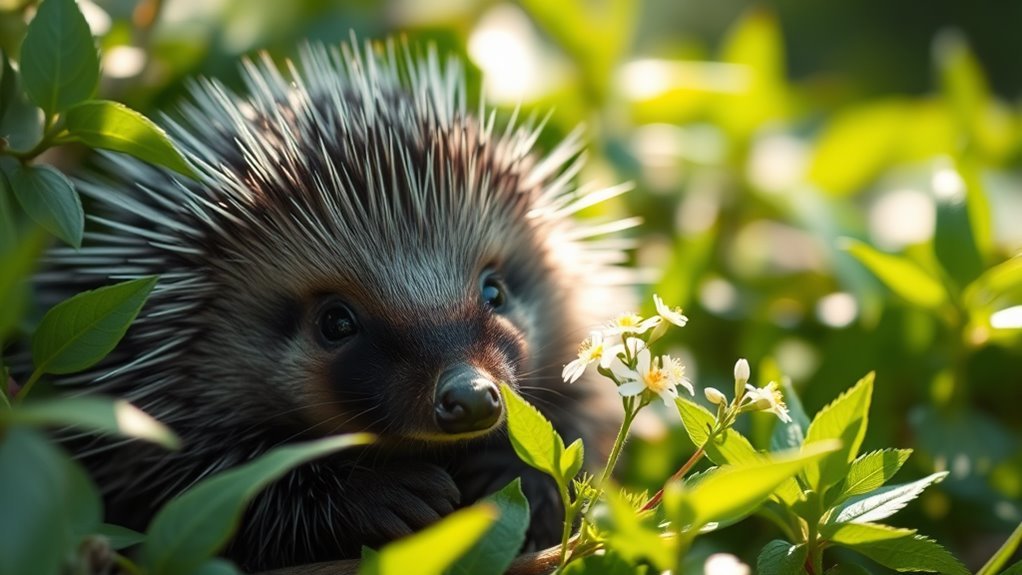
x: 336, y: 322
x: 492, y: 290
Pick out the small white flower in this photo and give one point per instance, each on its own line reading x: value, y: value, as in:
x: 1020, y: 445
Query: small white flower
x: 668, y: 314
x: 661, y: 376
x: 725, y: 564
x: 767, y: 398
x: 714, y: 396
x: 592, y: 349
x: 630, y: 324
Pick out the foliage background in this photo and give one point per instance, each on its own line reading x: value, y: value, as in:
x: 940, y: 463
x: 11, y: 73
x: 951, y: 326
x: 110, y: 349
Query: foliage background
x: 757, y: 136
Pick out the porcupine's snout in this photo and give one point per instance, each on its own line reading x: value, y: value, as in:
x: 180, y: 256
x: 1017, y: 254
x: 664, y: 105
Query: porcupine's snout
x: 466, y: 400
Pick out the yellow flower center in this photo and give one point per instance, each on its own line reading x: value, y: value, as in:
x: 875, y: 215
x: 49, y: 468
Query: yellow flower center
x: 628, y: 320
x: 656, y: 380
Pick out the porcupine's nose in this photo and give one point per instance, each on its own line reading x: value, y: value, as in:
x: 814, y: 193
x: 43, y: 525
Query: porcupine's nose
x: 466, y: 400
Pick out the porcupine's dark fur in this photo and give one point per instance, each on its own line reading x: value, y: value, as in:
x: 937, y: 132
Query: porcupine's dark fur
x: 361, y: 176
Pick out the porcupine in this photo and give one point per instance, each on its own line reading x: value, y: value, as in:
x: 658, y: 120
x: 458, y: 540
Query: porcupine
x: 358, y: 253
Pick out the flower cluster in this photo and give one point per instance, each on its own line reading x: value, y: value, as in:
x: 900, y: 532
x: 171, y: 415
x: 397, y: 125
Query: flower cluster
x: 750, y: 398
x: 621, y: 351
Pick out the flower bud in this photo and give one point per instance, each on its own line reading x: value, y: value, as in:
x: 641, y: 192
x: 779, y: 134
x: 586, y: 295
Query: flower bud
x: 714, y: 396
x: 742, y: 371
x: 741, y: 378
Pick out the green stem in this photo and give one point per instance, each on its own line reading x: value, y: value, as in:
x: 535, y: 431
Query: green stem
x: 53, y: 130
x: 813, y: 539
x: 619, y: 443
x: 569, y: 519
x: 28, y: 386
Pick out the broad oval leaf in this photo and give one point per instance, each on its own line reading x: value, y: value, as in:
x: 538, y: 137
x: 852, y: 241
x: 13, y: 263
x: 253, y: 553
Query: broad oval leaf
x: 192, y: 527
x: 433, y: 549
x: 50, y: 199
x: 898, y: 549
x: 48, y: 504
x: 734, y: 491
x: 781, y: 558
x: 883, y: 502
x: 532, y: 436
x: 80, y: 331
x: 59, y: 62
x: 114, y: 126
x: 845, y: 419
x: 492, y: 554
x: 97, y: 414
x: 872, y: 470
x: 904, y: 277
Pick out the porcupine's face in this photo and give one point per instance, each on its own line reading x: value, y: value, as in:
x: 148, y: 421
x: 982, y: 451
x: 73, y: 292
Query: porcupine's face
x: 402, y: 329
x: 386, y: 276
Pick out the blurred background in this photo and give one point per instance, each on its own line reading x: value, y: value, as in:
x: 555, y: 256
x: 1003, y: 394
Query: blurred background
x: 760, y: 137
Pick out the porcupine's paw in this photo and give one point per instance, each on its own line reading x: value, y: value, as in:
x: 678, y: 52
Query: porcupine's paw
x: 399, y: 499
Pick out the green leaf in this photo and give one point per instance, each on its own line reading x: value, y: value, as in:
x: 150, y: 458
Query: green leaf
x: 844, y: 419
x: 192, y: 527
x: 632, y: 535
x: 80, y: 331
x: 48, y: 504
x: 532, y: 436
x: 901, y: 275
x: 500, y: 544
x: 1003, y: 553
x: 978, y: 202
x: 755, y: 44
x: 872, y: 470
x: 59, y: 62
x: 781, y: 558
x: 433, y: 549
x: 1003, y: 280
x: 120, y: 537
x: 730, y: 447
x: 856, y: 145
x: 880, y: 503
x: 571, y: 460
x: 898, y: 549
x: 734, y: 491
x: 94, y: 413
x: 48, y: 197
x: 114, y: 126
x: 954, y: 242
